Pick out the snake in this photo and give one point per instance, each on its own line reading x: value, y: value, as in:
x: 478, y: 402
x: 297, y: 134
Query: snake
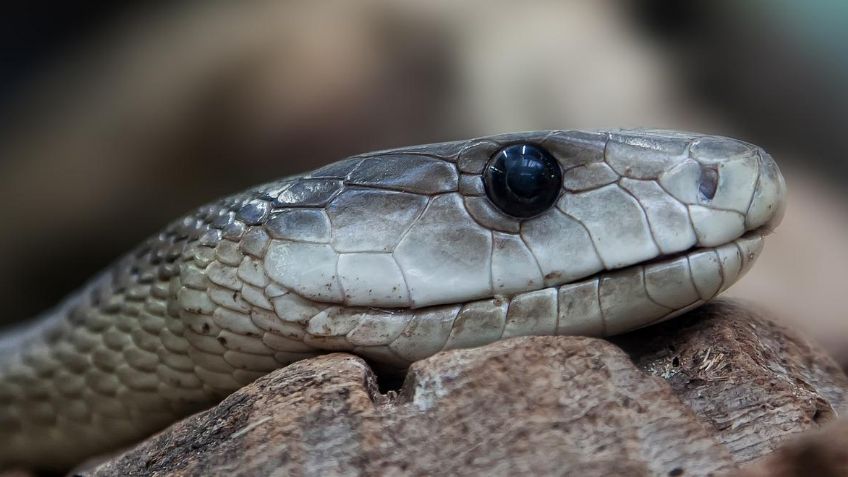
x: 393, y: 256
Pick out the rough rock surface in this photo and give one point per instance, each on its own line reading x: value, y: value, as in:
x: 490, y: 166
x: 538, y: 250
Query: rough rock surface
x: 703, y: 394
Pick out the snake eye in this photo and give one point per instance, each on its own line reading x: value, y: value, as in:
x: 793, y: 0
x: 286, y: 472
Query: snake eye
x: 522, y: 180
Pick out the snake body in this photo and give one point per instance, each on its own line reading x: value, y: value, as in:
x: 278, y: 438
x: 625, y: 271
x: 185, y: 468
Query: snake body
x: 392, y: 255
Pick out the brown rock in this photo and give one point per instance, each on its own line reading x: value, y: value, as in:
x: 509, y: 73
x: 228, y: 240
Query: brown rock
x: 696, y: 396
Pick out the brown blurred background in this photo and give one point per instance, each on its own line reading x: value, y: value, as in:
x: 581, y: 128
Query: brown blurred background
x: 117, y: 117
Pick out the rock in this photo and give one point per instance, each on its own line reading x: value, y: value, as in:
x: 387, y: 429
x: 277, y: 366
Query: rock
x: 699, y: 395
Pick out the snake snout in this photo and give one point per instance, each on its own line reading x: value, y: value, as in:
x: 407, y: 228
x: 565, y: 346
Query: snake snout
x: 768, y: 203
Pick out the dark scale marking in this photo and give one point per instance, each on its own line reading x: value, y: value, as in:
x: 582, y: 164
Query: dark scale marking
x: 253, y: 213
x: 223, y: 219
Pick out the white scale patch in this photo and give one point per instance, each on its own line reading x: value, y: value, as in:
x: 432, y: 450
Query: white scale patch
x: 445, y: 239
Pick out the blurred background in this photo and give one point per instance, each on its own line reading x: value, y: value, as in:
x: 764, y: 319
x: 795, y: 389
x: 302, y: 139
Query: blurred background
x: 117, y: 117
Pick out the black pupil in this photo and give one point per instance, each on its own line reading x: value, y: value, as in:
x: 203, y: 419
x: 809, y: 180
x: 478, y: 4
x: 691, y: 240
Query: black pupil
x: 523, y: 180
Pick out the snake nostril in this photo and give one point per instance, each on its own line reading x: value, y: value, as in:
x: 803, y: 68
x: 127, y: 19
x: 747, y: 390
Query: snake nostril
x: 708, y: 182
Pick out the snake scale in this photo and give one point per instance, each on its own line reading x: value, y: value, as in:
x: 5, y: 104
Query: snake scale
x: 394, y: 256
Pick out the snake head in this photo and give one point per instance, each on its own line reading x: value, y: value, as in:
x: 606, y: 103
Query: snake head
x: 456, y: 222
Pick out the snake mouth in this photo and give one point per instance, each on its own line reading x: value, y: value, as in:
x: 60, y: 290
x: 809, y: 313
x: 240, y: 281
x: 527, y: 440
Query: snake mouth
x: 616, y: 301
x: 603, y: 304
x: 756, y: 234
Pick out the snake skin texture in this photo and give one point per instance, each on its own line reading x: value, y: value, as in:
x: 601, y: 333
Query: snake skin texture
x: 392, y: 255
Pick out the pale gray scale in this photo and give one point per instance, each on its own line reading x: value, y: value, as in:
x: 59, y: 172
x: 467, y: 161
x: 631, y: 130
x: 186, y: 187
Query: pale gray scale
x: 372, y: 279
x: 619, y: 230
x: 255, y: 242
x: 715, y: 149
x: 625, y: 303
x: 642, y: 156
x: 295, y: 309
x: 244, y: 344
x: 682, y: 181
x: 579, y: 309
x: 255, y: 296
x: 446, y: 238
x: 228, y: 252
x: 196, y: 301
x: 478, y: 323
x: 487, y: 215
x: 475, y: 155
x: 272, y: 290
x: 404, y: 173
x: 532, y: 313
x: 235, y: 322
x: 668, y: 218
x: 750, y: 247
x: 669, y: 283
x: 730, y: 259
x: 706, y: 272
x: 303, y: 225
x: 426, y: 334
x: 222, y: 275
x: 471, y: 185
x: 285, y: 263
x: 715, y: 227
x: 589, y: 176
x: 766, y: 204
x: 514, y: 268
x: 251, y: 271
x: 335, y: 321
x: 576, y: 148
x: 659, y: 140
x: 282, y: 343
x: 562, y: 247
x: 369, y: 220
x: 198, y: 323
x: 379, y: 327
x: 273, y: 324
